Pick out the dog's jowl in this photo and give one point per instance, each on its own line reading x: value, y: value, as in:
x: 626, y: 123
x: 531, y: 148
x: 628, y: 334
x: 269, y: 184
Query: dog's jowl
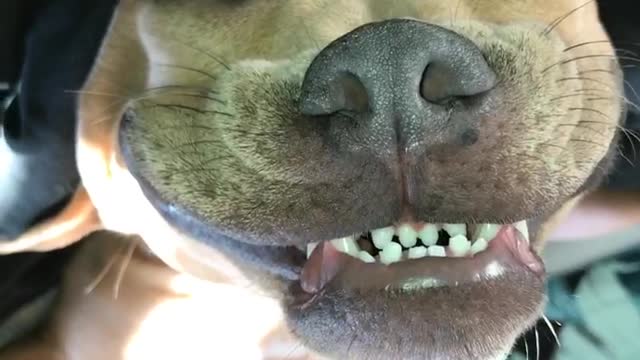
x: 386, y: 170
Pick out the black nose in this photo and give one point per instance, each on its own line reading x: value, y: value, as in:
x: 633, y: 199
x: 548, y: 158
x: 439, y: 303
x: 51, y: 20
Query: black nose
x: 395, y: 76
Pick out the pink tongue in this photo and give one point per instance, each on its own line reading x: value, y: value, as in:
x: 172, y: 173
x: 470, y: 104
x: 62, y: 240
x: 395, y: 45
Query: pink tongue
x: 509, y: 251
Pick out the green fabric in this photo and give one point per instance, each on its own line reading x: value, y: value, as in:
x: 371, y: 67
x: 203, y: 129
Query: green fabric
x: 609, y: 328
x: 601, y: 318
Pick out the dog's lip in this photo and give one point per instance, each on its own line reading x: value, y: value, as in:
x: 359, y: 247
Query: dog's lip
x: 508, y: 252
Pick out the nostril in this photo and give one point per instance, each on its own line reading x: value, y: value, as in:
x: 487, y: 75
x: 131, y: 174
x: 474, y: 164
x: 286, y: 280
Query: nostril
x: 353, y: 94
x: 330, y: 92
x: 434, y: 86
x: 444, y: 81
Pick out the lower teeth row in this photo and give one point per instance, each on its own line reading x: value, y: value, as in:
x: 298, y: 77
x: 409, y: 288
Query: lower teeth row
x: 391, y: 252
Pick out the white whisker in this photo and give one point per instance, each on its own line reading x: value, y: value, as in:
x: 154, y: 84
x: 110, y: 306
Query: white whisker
x: 552, y: 329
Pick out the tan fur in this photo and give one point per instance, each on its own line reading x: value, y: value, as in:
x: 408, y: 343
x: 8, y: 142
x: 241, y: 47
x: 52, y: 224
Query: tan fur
x: 161, y: 58
x: 133, y: 296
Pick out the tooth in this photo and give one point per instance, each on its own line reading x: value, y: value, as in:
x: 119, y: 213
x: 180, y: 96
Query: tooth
x: 417, y: 252
x: 381, y: 237
x: 347, y: 245
x: 407, y: 235
x: 479, y: 245
x: 455, y: 229
x: 391, y: 253
x: 366, y: 257
x: 459, y: 245
x: 523, y: 228
x: 486, y: 231
x: 429, y: 234
x: 310, y: 248
x: 436, y: 250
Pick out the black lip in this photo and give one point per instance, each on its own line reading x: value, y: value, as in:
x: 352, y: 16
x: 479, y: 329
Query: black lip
x: 282, y: 262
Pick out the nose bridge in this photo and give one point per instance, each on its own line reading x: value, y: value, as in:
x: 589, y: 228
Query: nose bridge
x: 403, y: 68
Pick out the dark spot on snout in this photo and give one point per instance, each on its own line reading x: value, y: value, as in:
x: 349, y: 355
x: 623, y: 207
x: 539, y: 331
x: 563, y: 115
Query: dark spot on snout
x: 469, y: 137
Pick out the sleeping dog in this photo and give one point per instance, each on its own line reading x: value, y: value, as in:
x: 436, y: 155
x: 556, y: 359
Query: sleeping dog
x: 370, y: 179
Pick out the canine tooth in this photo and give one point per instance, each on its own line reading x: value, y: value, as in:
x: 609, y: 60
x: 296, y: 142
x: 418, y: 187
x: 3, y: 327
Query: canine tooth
x: 407, y: 235
x: 381, y: 237
x: 437, y: 251
x: 366, y: 257
x: 523, y: 228
x: 429, y: 234
x: 310, y: 248
x: 455, y: 229
x: 486, y: 231
x: 347, y: 245
x: 478, y: 246
x: 459, y: 245
x: 391, y: 253
x: 417, y: 252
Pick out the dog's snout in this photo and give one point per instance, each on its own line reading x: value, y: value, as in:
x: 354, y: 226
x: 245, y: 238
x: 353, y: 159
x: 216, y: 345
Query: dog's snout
x: 398, y: 77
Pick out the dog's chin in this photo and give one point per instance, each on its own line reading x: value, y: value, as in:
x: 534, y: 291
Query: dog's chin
x: 429, y: 308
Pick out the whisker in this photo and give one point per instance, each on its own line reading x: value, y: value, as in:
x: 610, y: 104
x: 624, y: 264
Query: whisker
x: 633, y: 90
x: 526, y: 347
x: 97, y: 93
x: 213, y: 57
x: 125, y: 262
x: 592, y: 56
x: 537, y: 344
x: 580, y: 78
x: 618, y: 50
x: 552, y: 329
x: 575, y: 46
x: 102, y: 274
x: 597, y: 71
x: 595, y: 111
x: 201, y: 89
x: 190, y: 108
x: 559, y: 20
x: 586, y: 141
x: 295, y: 348
x: 187, y: 68
x: 625, y: 156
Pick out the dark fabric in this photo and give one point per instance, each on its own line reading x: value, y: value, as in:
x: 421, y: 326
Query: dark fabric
x: 49, y: 46
x: 624, y: 30
x: 59, y: 49
x: 15, y: 17
x: 29, y: 275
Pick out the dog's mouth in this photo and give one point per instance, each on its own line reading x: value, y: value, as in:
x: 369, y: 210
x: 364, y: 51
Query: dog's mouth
x: 420, y: 256
x: 437, y: 285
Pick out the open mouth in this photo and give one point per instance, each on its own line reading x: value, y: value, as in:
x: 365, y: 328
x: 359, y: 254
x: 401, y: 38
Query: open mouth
x: 419, y: 255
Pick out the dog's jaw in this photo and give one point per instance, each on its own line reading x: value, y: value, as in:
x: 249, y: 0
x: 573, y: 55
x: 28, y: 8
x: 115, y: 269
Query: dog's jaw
x: 215, y: 224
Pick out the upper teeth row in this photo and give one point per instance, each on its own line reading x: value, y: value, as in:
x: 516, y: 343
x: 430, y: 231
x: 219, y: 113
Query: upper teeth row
x: 407, y: 234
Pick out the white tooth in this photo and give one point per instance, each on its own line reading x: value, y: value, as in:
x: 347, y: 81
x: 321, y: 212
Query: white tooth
x: 459, y: 245
x: 417, y: 252
x: 429, y: 234
x: 310, y: 248
x: 391, y: 253
x: 347, y: 245
x: 455, y: 229
x: 366, y: 257
x: 407, y: 235
x: 479, y: 245
x: 486, y: 231
x: 436, y: 250
x: 523, y: 228
x: 381, y: 237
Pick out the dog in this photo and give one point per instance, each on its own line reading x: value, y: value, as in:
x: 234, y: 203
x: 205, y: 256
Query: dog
x: 370, y: 179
